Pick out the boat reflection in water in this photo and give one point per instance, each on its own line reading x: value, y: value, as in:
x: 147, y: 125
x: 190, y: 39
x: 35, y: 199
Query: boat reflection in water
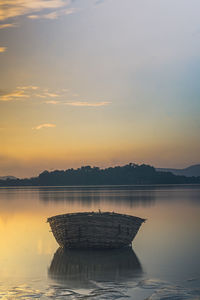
x: 79, y: 268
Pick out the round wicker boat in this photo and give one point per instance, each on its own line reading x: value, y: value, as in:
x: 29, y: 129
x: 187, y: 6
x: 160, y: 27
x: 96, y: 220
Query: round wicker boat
x: 94, y: 230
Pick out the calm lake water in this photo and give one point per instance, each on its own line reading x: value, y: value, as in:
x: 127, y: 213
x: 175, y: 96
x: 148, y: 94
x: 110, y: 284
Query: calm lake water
x: 164, y: 263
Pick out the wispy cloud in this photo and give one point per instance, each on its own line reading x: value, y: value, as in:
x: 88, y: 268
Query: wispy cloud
x: 7, y: 25
x: 28, y: 87
x: 44, y: 94
x: 33, y: 17
x: 52, y: 102
x: 79, y: 103
x: 92, y: 104
x: 52, y: 95
x: 29, y: 91
x: 14, y: 95
x: 40, y: 96
x: 45, y: 125
x: 47, y: 96
x: 53, y: 15
x: 51, y: 8
x: 20, y: 92
x: 3, y: 49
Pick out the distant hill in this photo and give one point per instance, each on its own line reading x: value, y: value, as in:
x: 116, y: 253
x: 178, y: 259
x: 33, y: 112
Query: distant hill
x: 7, y: 177
x: 189, y: 171
x: 119, y: 175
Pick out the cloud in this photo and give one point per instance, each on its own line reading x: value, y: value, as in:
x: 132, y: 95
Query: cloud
x: 52, y: 95
x: 54, y: 15
x: 45, y: 125
x: 16, y: 8
x: 15, y: 95
x: 44, y: 94
x: 28, y: 87
x: 91, y: 104
x: 52, y: 102
x: 19, y: 93
x: 8, y: 25
x: 29, y: 91
x: 79, y: 103
x: 33, y: 17
x: 48, y: 96
x: 40, y: 96
x: 3, y: 49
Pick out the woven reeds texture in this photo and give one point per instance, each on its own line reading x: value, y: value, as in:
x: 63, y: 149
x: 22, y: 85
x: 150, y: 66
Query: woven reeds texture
x: 94, y: 230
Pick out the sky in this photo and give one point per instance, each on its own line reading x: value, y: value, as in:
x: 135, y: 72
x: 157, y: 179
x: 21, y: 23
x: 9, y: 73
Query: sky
x: 98, y: 83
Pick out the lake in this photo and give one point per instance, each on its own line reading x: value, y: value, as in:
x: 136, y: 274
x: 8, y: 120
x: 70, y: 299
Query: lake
x: 164, y: 263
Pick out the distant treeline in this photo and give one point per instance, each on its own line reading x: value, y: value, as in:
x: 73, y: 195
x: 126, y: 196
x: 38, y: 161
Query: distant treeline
x: 119, y: 175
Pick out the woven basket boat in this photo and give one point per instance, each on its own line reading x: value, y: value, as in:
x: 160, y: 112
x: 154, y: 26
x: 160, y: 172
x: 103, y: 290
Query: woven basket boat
x: 94, y: 230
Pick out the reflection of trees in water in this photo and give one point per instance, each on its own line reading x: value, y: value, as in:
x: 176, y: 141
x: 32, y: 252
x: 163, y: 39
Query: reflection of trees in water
x: 90, y: 196
x: 78, y: 268
x: 17, y: 193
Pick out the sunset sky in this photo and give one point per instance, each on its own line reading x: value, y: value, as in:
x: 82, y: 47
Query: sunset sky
x: 98, y: 82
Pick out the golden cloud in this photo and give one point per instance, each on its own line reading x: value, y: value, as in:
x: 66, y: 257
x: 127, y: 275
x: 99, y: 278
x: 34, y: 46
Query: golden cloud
x: 52, y: 102
x: 7, y: 25
x: 16, y: 8
x: 79, y: 103
x: 45, y: 125
x: 92, y: 104
x: 53, y: 15
x: 3, y: 49
x: 50, y: 97
x: 26, y: 92
x: 28, y: 87
x: 13, y: 95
